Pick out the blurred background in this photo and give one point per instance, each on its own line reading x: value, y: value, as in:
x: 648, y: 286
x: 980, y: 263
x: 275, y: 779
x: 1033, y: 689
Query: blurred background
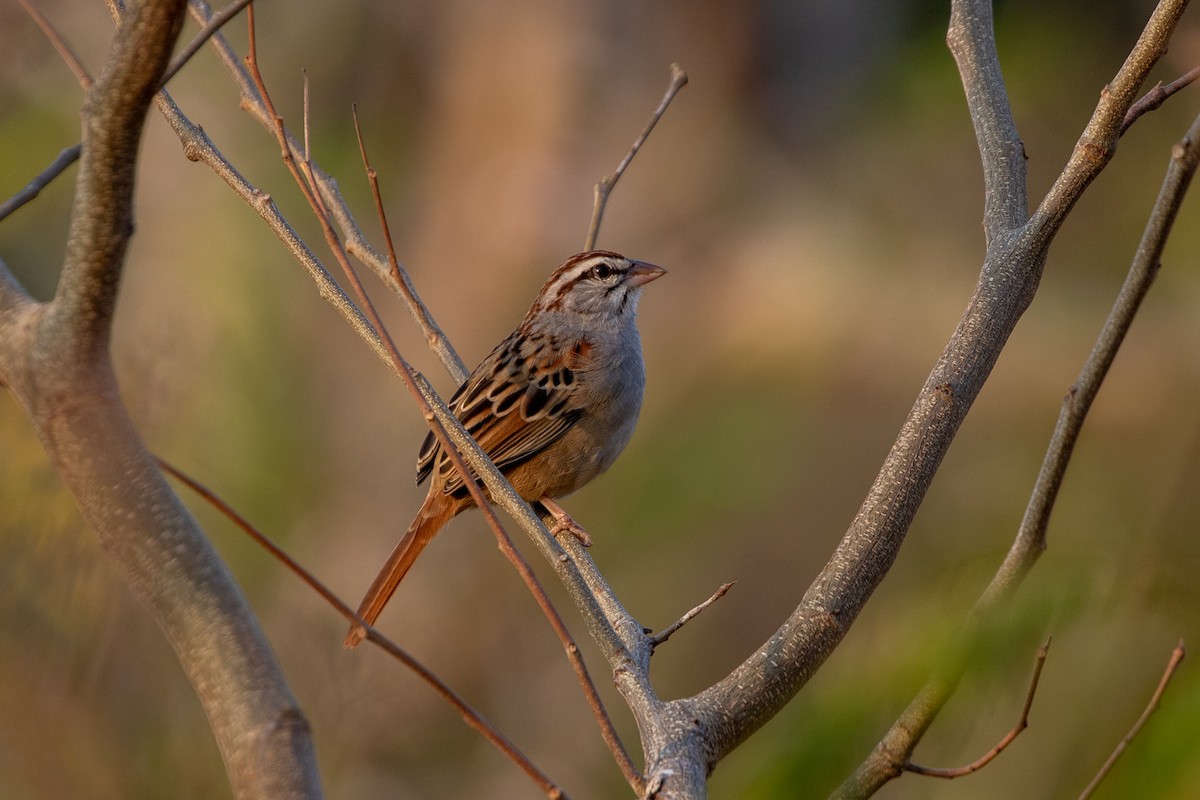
x: 815, y: 193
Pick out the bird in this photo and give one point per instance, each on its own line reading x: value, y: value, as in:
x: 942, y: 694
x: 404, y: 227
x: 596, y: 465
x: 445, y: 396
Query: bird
x: 552, y: 405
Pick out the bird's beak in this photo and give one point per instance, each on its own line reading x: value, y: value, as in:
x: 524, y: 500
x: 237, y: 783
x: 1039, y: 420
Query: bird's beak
x: 642, y: 273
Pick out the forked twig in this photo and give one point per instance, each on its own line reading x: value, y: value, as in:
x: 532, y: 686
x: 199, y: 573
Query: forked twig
x: 434, y: 337
x: 306, y: 180
x: 986, y: 758
x: 1157, y: 96
x: 505, y: 542
x: 71, y: 154
x: 214, y: 24
x: 1176, y: 656
x: 1030, y: 541
x: 666, y: 632
x: 357, y: 243
x: 472, y: 717
x: 605, y: 186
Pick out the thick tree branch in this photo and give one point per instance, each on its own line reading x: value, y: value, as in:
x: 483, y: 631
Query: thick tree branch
x: 731, y: 710
x: 972, y: 41
x: 57, y: 364
x: 895, y: 748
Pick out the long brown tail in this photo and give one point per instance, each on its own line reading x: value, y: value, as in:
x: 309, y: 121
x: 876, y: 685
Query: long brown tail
x: 419, y: 534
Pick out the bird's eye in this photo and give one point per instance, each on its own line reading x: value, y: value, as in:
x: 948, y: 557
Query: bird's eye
x: 602, y: 271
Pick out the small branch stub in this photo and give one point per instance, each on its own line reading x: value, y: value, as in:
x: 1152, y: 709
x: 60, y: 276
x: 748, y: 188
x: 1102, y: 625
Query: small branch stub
x: 659, y: 638
x: 989, y: 756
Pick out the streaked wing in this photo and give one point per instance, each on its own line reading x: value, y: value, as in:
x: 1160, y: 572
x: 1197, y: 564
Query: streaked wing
x: 514, y: 407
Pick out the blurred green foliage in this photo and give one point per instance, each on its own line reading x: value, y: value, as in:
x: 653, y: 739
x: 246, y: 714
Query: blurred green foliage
x: 815, y: 193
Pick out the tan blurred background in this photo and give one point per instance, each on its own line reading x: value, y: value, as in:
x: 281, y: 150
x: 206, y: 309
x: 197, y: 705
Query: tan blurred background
x: 815, y: 193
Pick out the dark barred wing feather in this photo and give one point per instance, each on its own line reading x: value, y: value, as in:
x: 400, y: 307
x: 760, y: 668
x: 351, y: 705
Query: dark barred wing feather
x: 513, y: 416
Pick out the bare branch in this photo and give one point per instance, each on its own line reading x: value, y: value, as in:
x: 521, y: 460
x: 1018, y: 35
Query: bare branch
x: 65, y: 51
x: 737, y: 705
x: 605, y: 186
x: 65, y: 159
x: 972, y: 41
x: 896, y: 746
x: 1156, y: 97
x: 357, y: 243
x: 209, y: 29
x: 472, y: 717
x: 63, y: 376
x: 1098, y: 143
x: 304, y: 178
x: 667, y: 632
x: 1176, y: 657
x: 998, y: 748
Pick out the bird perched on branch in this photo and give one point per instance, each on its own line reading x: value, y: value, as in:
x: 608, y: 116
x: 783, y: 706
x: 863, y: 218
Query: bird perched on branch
x: 553, y: 405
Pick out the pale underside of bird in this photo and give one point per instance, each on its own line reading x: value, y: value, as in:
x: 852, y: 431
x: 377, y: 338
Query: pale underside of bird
x: 552, y: 405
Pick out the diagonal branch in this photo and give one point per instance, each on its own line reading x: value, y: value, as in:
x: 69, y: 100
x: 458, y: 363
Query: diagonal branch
x: 58, y: 366
x: 65, y: 51
x: 357, y: 243
x: 1098, y: 142
x: 1173, y: 662
x: 605, y: 186
x: 896, y: 746
x: 741, y: 702
x: 472, y: 717
x: 972, y: 41
x: 40, y: 181
x: 303, y: 175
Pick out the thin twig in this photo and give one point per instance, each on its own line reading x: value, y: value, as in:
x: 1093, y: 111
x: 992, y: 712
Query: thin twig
x: 1156, y: 97
x: 65, y: 159
x: 210, y: 28
x: 608, y: 731
x: 1176, y: 656
x: 306, y: 180
x: 986, y: 758
x: 666, y: 633
x: 1030, y: 541
x: 71, y: 154
x: 609, y: 623
x: 472, y: 717
x: 1098, y: 142
x: 65, y: 51
x: 605, y: 186
x: 373, y: 180
x: 357, y: 243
